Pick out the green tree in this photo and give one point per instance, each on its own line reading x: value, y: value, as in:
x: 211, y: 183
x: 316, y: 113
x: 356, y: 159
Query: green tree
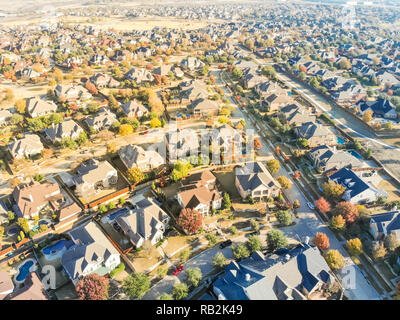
x: 276, y: 240
x: 180, y: 291
x: 391, y: 242
x: 184, y: 255
x: 212, y: 239
x: 254, y: 243
x: 255, y: 225
x: 226, y: 201
x: 193, y: 276
x: 23, y: 224
x: 219, y: 260
x: 155, y: 123
x: 333, y: 190
x: 181, y: 170
x: 162, y: 271
x: 136, y: 285
x: 284, y: 217
x: 165, y: 296
x: 240, y: 251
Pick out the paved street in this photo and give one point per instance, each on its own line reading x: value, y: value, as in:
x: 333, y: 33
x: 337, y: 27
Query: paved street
x: 309, y: 224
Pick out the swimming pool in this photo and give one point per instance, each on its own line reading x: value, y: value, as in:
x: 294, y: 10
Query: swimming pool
x: 24, y: 269
x: 111, y: 217
x: 12, y: 231
x: 355, y: 154
x: 340, y: 140
x: 56, y: 250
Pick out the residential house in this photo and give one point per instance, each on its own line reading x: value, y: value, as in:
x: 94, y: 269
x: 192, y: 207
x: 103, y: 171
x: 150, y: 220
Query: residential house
x: 316, y: 134
x: 296, y: 115
x: 102, y: 120
x: 71, y: 93
x: 32, y: 197
x: 201, y: 199
x: 93, y: 175
x: 139, y: 75
x: 204, y: 107
x: 91, y: 252
x: 181, y: 144
x: 136, y: 157
x: 26, y: 147
x: 103, y: 80
x: 285, y: 275
x: 32, y: 290
x: 253, y: 179
x: 147, y: 222
x: 134, y: 109
x: 275, y: 102
x: 327, y: 158
x: 358, y: 191
x: 66, y: 129
x: 383, y: 224
x: 380, y: 108
x: 191, y: 63
x: 37, y: 107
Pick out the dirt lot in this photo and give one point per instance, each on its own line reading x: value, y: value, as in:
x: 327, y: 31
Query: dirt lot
x: 175, y: 243
x: 145, y: 259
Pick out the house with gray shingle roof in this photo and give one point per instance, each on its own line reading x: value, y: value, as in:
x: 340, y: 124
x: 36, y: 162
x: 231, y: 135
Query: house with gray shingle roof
x: 91, y: 253
x: 285, y: 275
x: 316, y: 134
x: 383, y: 224
x: 146, y: 222
x: 27, y: 146
x: 37, y: 107
x: 66, y: 129
x: 253, y: 179
x: 326, y: 158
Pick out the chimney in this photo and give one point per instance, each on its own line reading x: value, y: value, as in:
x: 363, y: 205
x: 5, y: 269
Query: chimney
x: 30, y: 198
x: 247, y: 277
x: 307, y: 240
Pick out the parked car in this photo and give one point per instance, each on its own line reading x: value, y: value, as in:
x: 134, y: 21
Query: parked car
x: 178, y: 270
x: 225, y: 244
x: 311, y: 205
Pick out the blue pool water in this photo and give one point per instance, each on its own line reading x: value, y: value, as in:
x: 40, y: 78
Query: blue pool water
x: 57, y: 247
x: 12, y: 231
x: 24, y: 270
x: 355, y: 154
x: 112, y: 216
x: 289, y: 93
x: 340, y: 140
x: 180, y: 115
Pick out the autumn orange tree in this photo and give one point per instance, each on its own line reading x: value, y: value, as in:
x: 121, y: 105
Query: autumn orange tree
x: 92, y: 287
x: 321, y: 240
x: 348, y: 210
x: 322, y: 205
x: 190, y: 220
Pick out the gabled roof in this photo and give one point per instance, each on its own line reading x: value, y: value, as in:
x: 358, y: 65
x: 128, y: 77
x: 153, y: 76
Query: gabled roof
x: 347, y: 178
x: 253, y: 174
